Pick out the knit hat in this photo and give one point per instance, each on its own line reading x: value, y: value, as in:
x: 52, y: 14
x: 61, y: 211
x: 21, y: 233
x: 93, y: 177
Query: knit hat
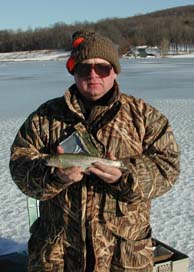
x: 87, y: 45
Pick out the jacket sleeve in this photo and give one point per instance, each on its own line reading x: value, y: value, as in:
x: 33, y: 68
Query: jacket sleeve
x: 27, y: 167
x: 154, y: 171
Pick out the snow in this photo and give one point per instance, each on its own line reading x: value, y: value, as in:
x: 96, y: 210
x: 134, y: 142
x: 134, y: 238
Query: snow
x: 36, y: 55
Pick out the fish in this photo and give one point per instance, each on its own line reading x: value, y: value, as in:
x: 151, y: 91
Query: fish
x: 84, y: 161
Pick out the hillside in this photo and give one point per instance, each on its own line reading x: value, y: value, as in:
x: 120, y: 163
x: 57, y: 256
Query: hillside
x: 175, y: 25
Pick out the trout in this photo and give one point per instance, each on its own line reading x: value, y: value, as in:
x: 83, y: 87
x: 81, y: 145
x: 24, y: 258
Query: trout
x: 82, y: 160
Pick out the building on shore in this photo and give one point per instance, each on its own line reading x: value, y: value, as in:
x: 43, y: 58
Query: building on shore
x: 146, y: 51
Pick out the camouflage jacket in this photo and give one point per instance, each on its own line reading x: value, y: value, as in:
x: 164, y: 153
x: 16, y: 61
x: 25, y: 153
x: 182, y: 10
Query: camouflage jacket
x: 92, y: 210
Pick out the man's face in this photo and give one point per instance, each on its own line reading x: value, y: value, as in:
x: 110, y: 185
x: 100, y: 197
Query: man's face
x: 93, y: 86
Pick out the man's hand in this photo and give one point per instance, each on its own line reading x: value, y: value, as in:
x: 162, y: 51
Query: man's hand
x: 69, y: 175
x: 108, y: 174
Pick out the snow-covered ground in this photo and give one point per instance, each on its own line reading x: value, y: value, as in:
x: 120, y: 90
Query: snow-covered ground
x: 191, y: 55
x: 34, y: 55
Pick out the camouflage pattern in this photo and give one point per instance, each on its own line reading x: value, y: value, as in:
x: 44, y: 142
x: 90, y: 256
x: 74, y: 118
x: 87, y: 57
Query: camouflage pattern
x: 91, y: 225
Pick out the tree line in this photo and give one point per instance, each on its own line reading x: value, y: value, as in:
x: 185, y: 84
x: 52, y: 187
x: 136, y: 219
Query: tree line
x: 161, y: 28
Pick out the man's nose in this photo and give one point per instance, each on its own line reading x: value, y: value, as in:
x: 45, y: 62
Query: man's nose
x: 93, y: 72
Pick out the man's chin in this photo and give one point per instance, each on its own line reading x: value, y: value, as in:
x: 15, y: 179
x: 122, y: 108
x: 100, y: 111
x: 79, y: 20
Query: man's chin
x: 93, y: 96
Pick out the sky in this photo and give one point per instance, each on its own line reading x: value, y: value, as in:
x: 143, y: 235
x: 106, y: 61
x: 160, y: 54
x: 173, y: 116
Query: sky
x: 32, y: 14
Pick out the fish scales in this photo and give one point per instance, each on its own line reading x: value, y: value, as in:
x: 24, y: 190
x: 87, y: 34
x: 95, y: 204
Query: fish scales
x: 68, y: 160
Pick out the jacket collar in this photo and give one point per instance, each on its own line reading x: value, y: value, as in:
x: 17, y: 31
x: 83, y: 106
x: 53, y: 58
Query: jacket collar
x: 80, y: 105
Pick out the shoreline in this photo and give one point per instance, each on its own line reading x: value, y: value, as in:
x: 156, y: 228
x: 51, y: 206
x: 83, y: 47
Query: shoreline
x: 35, y: 55
x: 47, y: 54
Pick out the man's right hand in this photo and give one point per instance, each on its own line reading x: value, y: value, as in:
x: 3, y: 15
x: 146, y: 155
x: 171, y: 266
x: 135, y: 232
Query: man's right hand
x: 69, y: 175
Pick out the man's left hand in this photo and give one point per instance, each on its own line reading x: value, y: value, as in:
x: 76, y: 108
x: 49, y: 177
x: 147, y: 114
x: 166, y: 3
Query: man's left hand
x: 108, y: 174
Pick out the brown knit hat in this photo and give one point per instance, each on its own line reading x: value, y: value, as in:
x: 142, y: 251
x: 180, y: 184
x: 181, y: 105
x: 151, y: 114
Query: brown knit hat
x: 87, y: 45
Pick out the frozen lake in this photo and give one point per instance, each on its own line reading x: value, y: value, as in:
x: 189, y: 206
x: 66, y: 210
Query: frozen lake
x: 24, y: 85
x: 165, y: 83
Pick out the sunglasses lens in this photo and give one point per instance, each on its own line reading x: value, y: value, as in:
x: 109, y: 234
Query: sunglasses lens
x: 83, y: 69
x: 101, y: 69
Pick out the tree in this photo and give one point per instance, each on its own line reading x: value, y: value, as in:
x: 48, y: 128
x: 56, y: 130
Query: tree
x: 164, y: 46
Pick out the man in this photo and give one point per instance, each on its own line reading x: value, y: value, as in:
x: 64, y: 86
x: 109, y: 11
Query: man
x: 97, y: 219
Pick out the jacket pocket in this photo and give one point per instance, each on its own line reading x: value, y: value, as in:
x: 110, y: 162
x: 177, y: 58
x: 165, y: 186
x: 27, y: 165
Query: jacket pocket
x: 125, y: 220
x: 134, y: 254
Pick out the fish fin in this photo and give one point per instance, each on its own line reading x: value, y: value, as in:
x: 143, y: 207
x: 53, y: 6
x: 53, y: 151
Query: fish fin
x: 52, y: 169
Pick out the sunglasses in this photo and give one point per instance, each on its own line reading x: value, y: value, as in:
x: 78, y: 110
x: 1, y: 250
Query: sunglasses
x: 101, y: 69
